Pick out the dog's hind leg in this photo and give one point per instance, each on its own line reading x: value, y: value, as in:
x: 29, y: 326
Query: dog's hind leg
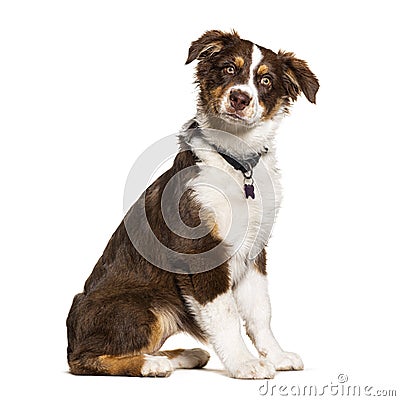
x: 119, y: 336
x: 124, y: 365
x: 158, y: 364
x: 186, y: 358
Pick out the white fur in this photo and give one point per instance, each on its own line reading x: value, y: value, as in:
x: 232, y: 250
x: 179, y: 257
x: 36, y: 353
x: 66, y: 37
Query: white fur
x: 251, y: 295
x: 219, y: 319
x: 219, y: 191
x: 244, y: 224
x: 252, y: 299
x: 156, y: 366
x: 256, y: 58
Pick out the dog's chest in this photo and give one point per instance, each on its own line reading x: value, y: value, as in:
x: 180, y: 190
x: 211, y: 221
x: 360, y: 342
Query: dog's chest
x: 243, y: 224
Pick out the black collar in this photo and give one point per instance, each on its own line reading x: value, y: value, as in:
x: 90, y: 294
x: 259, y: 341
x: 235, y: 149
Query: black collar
x: 244, y: 165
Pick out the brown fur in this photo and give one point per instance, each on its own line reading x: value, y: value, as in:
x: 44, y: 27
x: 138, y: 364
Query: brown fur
x: 120, y: 313
x: 260, y: 263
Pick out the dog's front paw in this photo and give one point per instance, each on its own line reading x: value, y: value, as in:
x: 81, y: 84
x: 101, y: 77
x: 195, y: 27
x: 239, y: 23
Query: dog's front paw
x: 254, y: 369
x: 286, y: 361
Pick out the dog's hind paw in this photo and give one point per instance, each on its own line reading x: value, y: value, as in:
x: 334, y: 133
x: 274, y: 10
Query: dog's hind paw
x: 156, y: 366
x: 191, y: 358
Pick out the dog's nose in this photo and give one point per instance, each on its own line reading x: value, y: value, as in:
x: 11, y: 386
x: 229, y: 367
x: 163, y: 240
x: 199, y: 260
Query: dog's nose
x: 239, y: 100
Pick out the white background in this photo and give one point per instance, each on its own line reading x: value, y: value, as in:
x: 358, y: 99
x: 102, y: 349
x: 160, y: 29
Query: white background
x: 86, y: 86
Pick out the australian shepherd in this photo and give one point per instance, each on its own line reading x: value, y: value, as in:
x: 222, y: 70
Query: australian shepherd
x: 189, y: 256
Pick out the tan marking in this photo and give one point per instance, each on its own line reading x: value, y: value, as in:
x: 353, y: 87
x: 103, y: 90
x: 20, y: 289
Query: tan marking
x: 262, y: 69
x: 209, y: 220
x: 156, y: 335
x: 215, y: 231
x: 124, y: 365
x: 170, y: 354
x: 210, y: 49
x: 217, y: 92
x: 292, y: 77
x: 164, y: 326
x: 267, y: 116
x: 167, y: 325
x: 239, y: 62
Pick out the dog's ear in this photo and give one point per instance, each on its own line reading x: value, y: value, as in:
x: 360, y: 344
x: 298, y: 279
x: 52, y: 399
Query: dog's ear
x: 209, y: 43
x: 298, y: 77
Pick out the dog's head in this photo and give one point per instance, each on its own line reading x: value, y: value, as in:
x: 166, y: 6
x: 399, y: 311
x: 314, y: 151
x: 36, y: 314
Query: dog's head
x: 243, y: 83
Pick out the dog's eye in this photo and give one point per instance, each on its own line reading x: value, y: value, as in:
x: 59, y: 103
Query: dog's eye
x: 266, y: 80
x: 230, y: 70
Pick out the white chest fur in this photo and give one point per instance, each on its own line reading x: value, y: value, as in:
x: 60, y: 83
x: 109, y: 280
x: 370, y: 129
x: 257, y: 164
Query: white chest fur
x: 243, y: 224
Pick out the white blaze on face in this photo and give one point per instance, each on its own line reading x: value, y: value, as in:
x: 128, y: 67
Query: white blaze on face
x: 253, y: 111
x: 255, y: 61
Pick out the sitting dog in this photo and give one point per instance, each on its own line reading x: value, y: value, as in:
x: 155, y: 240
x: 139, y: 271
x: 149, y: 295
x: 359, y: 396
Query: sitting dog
x: 223, y: 189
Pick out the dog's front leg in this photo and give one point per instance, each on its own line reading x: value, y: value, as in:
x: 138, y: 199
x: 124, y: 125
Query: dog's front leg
x: 220, y: 320
x: 252, y: 299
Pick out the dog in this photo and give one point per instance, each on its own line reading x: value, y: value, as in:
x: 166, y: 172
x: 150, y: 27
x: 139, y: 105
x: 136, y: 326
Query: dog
x: 223, y: 189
